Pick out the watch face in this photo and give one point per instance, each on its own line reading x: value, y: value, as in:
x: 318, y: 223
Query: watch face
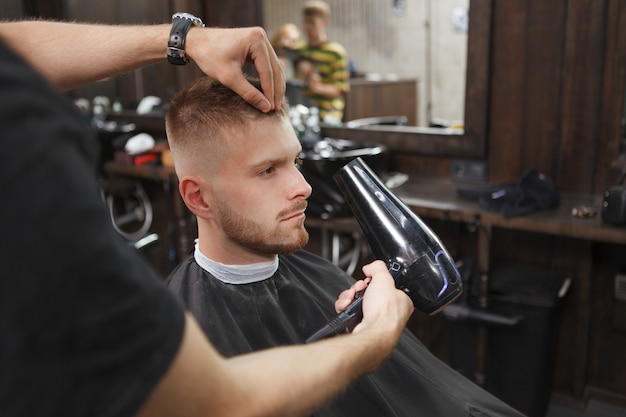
x: 194, y: 20
x: 184, y: 16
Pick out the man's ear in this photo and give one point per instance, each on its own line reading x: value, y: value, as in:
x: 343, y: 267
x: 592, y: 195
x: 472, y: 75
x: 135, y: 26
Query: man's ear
x: 194, y: 192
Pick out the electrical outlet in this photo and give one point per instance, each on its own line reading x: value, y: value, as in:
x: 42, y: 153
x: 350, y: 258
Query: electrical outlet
x: 470, y: 171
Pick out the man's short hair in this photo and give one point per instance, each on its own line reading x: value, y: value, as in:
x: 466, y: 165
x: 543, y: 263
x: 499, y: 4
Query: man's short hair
x: 316, y: 8
x: 202, y: 112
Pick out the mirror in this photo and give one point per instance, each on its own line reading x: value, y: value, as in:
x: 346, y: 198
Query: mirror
x: 406, y: 58
x: 467, y: 142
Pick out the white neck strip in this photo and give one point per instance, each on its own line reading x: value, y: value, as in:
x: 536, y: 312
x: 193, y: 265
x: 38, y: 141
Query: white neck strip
x: 236, y: 274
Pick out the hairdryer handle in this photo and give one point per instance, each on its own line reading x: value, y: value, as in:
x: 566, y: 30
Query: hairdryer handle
x: 344, y: 322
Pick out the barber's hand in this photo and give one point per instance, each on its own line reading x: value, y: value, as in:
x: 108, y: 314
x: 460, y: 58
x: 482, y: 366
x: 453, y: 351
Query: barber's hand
x: 222, y: 53
x: 347, y: 296
x: 384, y: 305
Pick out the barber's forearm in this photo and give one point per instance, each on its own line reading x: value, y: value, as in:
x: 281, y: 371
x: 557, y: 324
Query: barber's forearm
x: 284, y: 381
x: 71, y: 55
x: 297, y: 380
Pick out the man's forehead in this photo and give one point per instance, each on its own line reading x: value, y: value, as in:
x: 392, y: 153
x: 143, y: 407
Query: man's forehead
x: 261, y: 140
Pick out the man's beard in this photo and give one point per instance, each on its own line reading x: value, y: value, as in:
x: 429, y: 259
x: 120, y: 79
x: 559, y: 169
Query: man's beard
x: 251, y: 235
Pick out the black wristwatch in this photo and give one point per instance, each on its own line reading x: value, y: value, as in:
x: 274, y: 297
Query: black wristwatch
x: 181, y: 22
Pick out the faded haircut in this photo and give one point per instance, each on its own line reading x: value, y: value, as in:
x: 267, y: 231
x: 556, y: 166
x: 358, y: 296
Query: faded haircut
x: 202, y: 112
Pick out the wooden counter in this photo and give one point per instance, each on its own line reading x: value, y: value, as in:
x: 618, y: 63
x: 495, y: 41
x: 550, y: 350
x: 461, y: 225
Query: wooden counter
x: 439, y: 199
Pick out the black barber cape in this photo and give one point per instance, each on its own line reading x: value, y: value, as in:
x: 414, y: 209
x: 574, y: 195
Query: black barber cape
x: 298, y: 300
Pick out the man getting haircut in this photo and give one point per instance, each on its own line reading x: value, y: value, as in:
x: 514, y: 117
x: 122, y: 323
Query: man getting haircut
x: 249, y: 284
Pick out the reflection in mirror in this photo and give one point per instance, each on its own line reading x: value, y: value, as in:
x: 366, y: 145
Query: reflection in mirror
x: 468, y: 142
x: 389, y: 42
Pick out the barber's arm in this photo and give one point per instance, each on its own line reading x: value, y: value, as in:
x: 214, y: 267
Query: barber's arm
x: 71, y: 55
x: 284, y: 381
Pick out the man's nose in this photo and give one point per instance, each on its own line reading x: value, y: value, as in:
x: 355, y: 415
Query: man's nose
x: 301, y: 186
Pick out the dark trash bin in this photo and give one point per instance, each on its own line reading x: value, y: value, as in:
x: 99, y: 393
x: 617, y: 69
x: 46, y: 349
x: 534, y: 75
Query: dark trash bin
x: 520, y: 357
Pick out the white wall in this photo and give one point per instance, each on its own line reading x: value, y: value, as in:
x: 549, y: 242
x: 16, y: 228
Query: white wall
x: 419, y: 43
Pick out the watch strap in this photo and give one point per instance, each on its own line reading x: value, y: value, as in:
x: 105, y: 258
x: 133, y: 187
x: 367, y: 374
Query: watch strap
x: 181, y: 22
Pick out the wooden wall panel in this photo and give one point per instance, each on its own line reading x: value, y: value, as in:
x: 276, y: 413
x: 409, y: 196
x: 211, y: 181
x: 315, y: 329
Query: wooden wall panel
x: 12, y: 10
x: 506, y: 130
x: 582, y: 85
x: 542, y: 86
x: 420, y: 165
x: 609, y: 167
x: 47, y: 9
x: 382, y: 98
x: 550, y: 98
x: 239, y: 13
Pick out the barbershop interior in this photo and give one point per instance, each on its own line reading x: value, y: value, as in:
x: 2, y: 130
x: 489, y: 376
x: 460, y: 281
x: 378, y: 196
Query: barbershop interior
x: 490, y: 134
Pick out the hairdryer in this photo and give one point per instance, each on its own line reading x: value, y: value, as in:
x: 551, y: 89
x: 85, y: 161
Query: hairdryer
x: 415, y: 257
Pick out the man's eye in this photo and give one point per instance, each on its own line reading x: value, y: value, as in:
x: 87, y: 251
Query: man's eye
x: 298, y: 162
x: 268, y: 171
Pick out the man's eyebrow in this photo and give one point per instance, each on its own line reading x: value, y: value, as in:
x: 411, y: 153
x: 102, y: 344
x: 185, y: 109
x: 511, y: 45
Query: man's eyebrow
x: 268, y: 162
x: 275, y: 161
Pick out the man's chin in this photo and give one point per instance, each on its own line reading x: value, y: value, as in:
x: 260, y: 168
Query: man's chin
x: 286, y: 249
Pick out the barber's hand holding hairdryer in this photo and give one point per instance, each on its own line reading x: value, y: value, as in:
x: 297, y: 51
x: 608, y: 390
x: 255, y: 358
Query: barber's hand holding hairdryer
x: 382, y: 300
x: 413, y: 254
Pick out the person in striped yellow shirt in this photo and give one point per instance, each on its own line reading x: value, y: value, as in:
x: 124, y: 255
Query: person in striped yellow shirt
x: 328, y: 79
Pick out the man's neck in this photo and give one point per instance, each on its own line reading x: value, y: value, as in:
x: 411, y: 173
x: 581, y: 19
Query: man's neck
x: 316, y: 41
x: 214, y: 245
x: 236, y: 274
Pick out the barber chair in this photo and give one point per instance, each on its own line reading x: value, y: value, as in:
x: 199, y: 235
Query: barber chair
x: 128, y: 204
x: 129, y: 207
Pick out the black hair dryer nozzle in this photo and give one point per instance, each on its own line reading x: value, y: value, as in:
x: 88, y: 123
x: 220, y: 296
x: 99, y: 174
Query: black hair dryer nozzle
x: 415, y: 256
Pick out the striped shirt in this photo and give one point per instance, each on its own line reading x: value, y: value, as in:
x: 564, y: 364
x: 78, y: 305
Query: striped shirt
x: 331, y: 63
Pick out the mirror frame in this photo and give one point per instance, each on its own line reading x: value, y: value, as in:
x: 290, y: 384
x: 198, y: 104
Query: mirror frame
x: 467, y: 143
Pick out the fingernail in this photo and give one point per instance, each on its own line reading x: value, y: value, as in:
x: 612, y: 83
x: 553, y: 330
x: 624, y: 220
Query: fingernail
x: 265, y: 106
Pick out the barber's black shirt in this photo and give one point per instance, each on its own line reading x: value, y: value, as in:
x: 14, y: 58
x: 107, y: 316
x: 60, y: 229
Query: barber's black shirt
x: 86, y: 329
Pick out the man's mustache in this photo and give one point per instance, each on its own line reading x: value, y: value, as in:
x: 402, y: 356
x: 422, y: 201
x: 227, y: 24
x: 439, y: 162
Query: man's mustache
x: 293, y: 209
